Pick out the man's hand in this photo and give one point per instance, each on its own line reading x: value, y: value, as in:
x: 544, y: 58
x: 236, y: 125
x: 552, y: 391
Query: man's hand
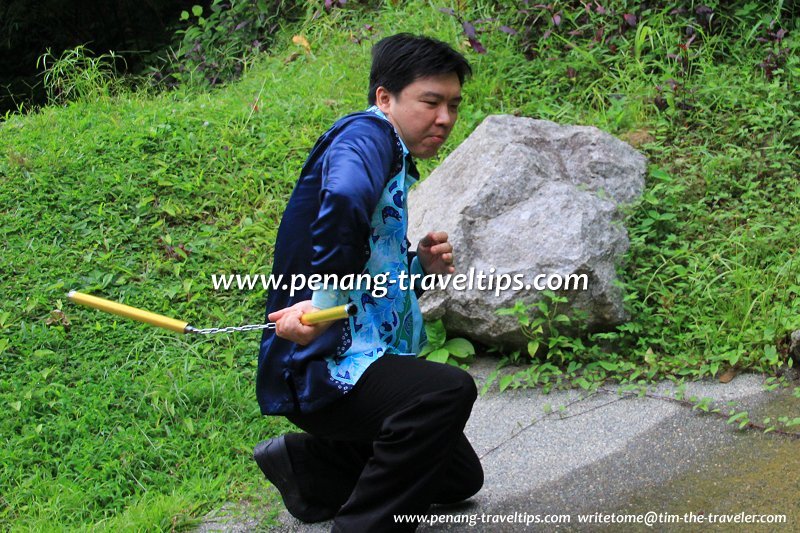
x: 435, y: 253
x: 289, y: 327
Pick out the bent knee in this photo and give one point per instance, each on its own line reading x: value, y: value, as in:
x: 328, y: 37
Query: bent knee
x: 474, y: 482
x: 470, y: 482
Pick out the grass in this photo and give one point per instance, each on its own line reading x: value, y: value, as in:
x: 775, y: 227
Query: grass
x: 140, y: 197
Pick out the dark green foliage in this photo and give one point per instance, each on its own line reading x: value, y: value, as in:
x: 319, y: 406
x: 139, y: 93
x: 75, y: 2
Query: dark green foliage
x: 220, y: 41
x: 130, y: 28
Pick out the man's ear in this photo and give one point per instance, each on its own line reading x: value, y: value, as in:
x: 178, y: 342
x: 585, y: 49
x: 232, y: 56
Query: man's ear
x: 383, y: 98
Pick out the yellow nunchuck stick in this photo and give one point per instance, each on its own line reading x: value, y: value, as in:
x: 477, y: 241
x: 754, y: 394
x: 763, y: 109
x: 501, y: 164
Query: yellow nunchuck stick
x: 181, y: 326
x: 328, y: 315
x: 127, y: 311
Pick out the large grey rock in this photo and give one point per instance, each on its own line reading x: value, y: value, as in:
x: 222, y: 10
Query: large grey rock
x: 529, y: 197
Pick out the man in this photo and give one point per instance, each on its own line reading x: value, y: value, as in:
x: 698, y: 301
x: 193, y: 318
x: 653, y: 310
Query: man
x: 383, y: 429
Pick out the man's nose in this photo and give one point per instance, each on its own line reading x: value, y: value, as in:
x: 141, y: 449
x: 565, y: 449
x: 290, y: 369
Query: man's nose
x: 445, y: 117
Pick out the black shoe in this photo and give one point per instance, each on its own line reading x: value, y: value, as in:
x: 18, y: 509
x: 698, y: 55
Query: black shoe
x: 273, y: 460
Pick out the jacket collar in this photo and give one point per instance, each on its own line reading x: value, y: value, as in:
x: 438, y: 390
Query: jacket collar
x: 374, y: 109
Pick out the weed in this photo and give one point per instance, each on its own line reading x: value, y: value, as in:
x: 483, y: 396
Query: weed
x: 79, y: 75
x: 439, y: 349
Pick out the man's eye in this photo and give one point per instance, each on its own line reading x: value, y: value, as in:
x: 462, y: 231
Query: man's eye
x: 432, y: 104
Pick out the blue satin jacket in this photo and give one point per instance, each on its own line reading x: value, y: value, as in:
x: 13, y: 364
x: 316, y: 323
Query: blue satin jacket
x: 347, y: 216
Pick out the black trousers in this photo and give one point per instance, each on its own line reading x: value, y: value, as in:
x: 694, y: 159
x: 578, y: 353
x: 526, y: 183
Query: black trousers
x: 393, y: 445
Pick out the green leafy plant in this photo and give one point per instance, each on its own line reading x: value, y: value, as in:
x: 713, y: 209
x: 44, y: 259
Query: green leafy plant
x: 440, y: 349
x: 77, y: 74
x: 217, y: 44
x: 556, y: 354
x: 546, y: 326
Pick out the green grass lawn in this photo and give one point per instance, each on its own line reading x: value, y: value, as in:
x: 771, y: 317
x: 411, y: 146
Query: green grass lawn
x: 141, y: 197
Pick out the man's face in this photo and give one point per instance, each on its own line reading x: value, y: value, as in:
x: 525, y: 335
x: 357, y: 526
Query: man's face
x: 424, y: 112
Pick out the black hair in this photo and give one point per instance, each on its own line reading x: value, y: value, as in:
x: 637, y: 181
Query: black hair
x: 399, y: 60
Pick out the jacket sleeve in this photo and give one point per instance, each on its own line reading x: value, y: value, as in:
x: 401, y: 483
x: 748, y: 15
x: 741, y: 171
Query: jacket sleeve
x: 355, y: 169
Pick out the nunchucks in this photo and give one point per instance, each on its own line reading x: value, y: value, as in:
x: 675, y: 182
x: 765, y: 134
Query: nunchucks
x: 181, y: 326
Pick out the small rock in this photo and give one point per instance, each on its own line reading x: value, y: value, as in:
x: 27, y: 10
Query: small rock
x: 728, y: 375
x: 794, y: 346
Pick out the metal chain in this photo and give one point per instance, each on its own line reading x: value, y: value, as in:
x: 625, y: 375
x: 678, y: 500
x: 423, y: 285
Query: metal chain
x: 229, y: 329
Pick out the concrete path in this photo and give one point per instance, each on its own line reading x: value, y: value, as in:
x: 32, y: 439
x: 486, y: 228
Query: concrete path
x: 572, y: 453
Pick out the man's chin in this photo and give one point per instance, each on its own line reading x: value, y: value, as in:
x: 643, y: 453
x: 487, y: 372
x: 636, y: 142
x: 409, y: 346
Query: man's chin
x: 425, y: 153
